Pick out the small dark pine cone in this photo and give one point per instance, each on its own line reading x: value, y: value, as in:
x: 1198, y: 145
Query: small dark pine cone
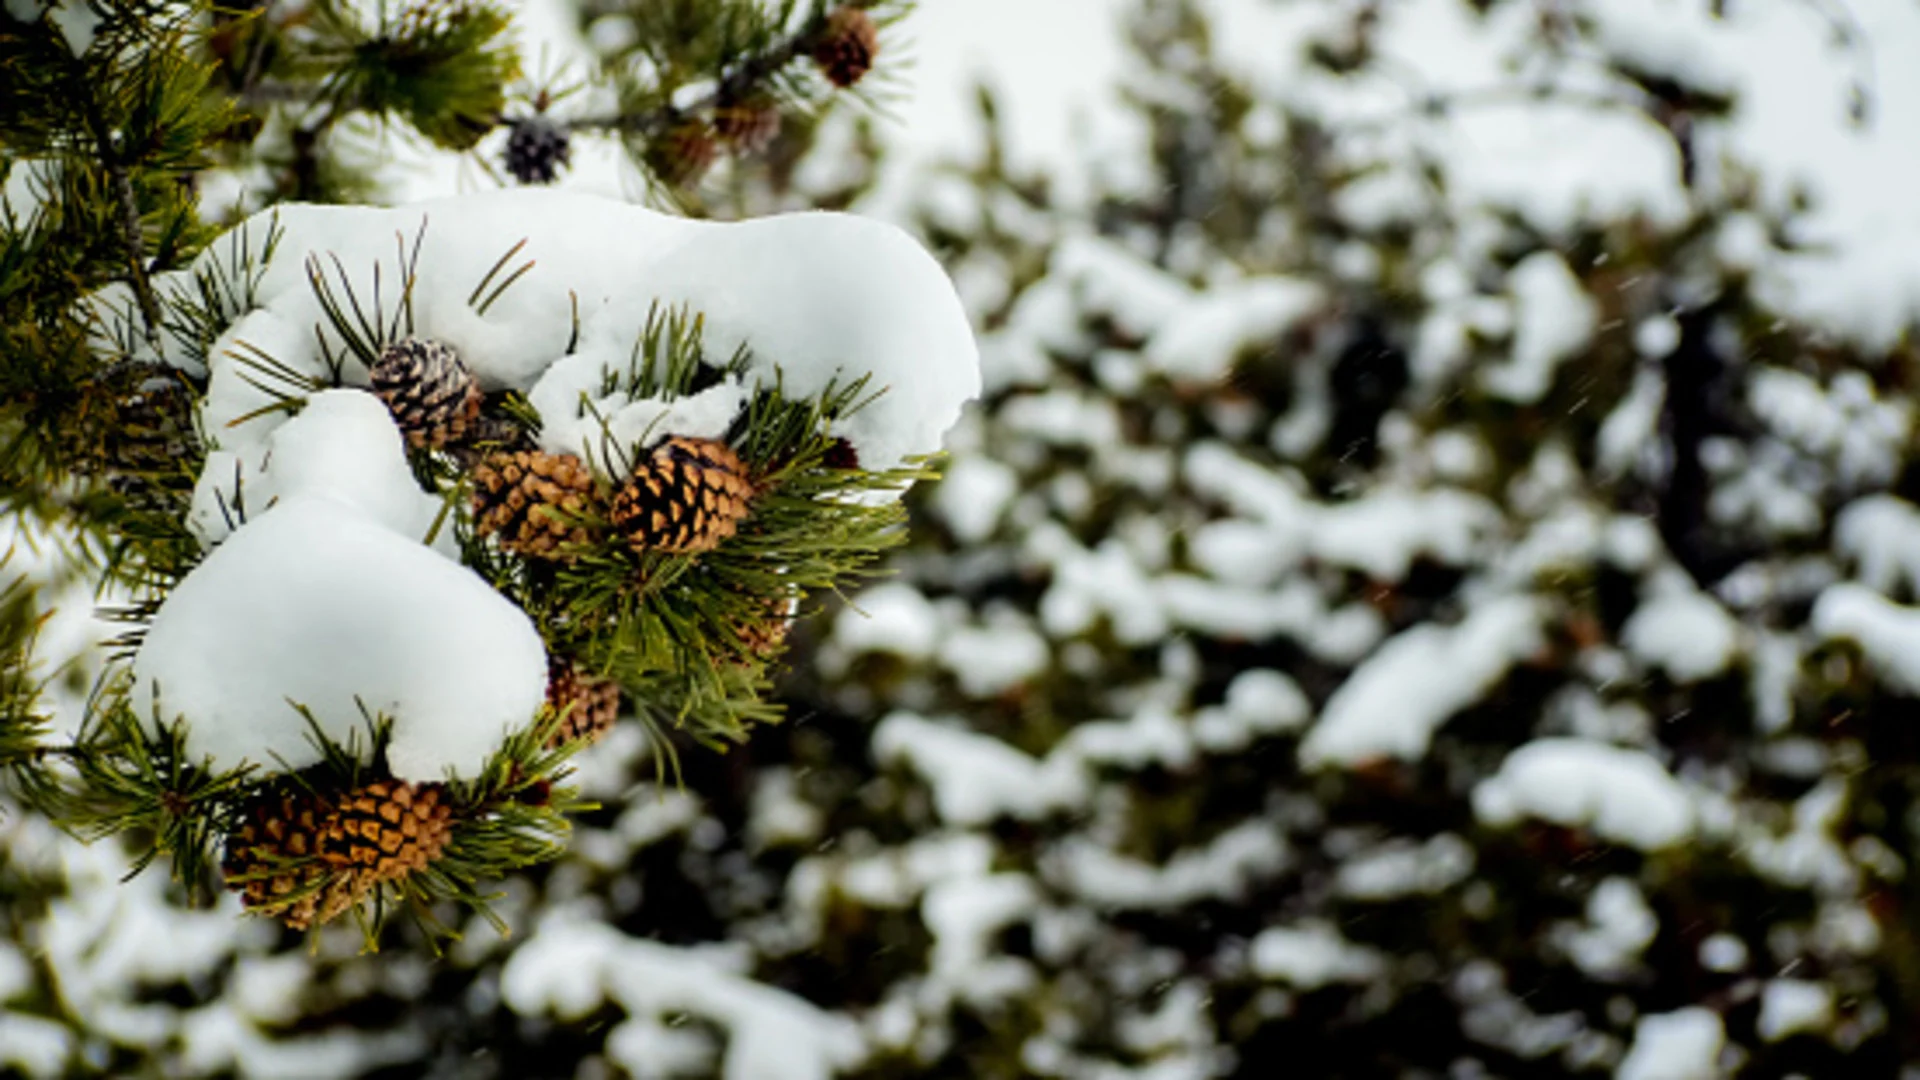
x: 684, y: 498
x: 273, y: 860
x: 531, y: 502
x: 749, y: 126
x: 429, y: 391
x: 135, y: 419
x: 386, y: 830
x: 537, y: 149
x: 151, y: 426
x: 841, y: 455
x: 588, y: 706
x: 846, y: 46
x: 682, y: 154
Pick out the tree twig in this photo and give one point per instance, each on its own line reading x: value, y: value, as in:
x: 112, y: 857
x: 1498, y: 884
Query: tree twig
x: 131, y: 240
x: 734, y: 86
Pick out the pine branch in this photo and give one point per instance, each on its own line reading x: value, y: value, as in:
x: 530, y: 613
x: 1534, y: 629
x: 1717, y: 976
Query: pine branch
x: 740, y: 82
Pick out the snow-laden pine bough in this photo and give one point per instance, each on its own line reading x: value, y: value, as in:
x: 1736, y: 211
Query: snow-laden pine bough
x: 423, y: 499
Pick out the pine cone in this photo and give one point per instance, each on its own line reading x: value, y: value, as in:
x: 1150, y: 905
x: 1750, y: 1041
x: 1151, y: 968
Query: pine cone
x: 682, y: 154
x: 274, y: 854
x: 846, y: 46
x: 432, y: 395
x: 749, y: 126
x: 841, y: 455
x: 588, y: 706
x: 136, y: 418
x: 685, y: 498
x: 537, y: 149
x: 766, y: 635
x: 387, y: 830
x: 530, y: 501
x: 305, y: 858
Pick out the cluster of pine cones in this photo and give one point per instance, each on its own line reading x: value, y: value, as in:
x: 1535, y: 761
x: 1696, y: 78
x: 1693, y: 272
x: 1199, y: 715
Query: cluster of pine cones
x: 306, y: 856
x: 842, y: 47
x: 685, y: 496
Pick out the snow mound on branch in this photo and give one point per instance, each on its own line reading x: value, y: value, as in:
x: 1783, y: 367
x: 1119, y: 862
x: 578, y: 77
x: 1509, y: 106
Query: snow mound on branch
x: 1887, y: 633
x: 817, y: 297
x: 1684, y: 632
x: 314, y: 603
x: 1392, y: 704
x: 1623, y: 795
x: 1681, y: 1045
x: 572, y: 965
x: 1312, y: 956
x: 343, y: 446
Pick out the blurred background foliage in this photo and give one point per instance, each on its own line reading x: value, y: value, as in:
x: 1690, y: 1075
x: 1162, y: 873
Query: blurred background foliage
x: 1381, y: 616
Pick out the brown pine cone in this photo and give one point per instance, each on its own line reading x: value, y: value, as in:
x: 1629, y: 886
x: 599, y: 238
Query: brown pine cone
x: 685, y: 497
x: 532, y: 502
x: 429, y: 391
x: 306, y: 858
x: 682, y: 154
x: 846, y: 46
x: 274, y: 856
x: 766, y: 635
x: 387, y: 830
x: 588, y: 706
x: 749, y: 126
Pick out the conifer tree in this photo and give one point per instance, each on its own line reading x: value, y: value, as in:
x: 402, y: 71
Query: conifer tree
x: 1391, y: 612
x: 648, y: 526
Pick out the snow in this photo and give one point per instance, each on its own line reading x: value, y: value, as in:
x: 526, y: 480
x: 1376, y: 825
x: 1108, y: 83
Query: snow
x: 1631, y: 431
x: 35, y: 1045
x: 1554, y: 319
x: 1401, y: 867
x: 1880, y: 535
x: 963, y: 914
x: 1809, y: 855
x: 1382, y: 533
x: 1225, y: 868
x: 571, y: 965
x: 1684, y: 632
x: 1681, y: 1045
x: 1107, y: 279
x: 891, y: 618
x: 1312, y: 955
x: 312, y: 589
x: 1844, y: 422
x: 1791, y: 1006
x: 344, y: 447
x: 1619, y: 926
x: 1396, y: 700
x: 817, y: 296
x: 973, y: 496
x: 1201, y: 341
x: 975, y: 778
x: 1723, y: 953
x: 1887, y: 633
x: 1260, y: 702
x: 1622, y: 795
x: 995, y: 656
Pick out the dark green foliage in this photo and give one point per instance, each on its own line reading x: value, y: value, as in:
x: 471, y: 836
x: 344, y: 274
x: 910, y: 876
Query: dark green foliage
x: 760, y: 51
x: 440, y: 66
